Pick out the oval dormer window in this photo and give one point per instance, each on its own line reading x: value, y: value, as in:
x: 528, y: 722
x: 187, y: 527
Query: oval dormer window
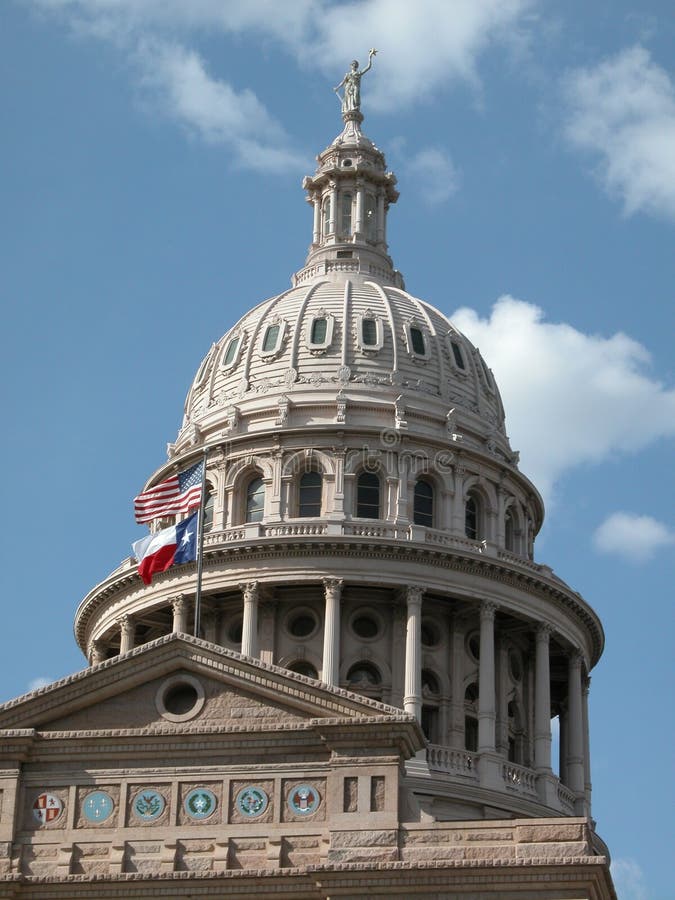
x: 457, y: 355
x: 319, y: 334
x: 203, y: 367
x: 231, y: 352
x: 417, y: 341
x: 271, y: 342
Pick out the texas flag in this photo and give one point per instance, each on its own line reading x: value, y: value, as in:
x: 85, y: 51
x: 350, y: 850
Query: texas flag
x: 168, y: 547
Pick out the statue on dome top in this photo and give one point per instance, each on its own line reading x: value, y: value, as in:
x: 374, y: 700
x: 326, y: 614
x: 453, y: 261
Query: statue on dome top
x: 351, y: 99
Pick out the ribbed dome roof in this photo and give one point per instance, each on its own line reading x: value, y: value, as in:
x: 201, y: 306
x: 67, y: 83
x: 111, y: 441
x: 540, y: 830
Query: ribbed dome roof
x: 345, y: 333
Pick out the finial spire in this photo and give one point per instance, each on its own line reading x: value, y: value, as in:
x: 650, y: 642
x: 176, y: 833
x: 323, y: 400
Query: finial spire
x: 351, y: 98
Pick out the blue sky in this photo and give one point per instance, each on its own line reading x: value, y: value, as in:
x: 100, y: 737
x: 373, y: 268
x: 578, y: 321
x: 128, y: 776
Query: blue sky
x: 152, y: 159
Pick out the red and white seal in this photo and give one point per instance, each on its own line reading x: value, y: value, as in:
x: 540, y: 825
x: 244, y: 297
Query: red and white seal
x: 47, y: 808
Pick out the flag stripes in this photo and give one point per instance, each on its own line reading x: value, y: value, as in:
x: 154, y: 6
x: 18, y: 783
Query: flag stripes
x: 175, y: 495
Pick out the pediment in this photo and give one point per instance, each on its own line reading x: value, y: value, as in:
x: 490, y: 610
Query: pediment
x: 179, y: 682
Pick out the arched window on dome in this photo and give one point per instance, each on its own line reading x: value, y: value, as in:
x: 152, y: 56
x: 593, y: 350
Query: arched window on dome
x: 232, y: 352
x: 255, y: 499
x: 457, y: 356
x: 309, y: 495
x: 368, y: 496
x: 472, y: 515
x: 471, y: 718
x: 423, y: 503
x: 509, y: 538
x: 326, y: 217
x: 346, y: 215
x: 209, y: 506
x: 371, y: 217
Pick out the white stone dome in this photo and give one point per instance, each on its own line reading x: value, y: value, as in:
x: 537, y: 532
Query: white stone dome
x: 346, y: 335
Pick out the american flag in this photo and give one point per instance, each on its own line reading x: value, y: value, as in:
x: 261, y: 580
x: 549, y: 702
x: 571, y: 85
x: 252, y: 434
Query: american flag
x: 177, y: 494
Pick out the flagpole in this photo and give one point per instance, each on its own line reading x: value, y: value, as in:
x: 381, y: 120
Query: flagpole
x: 200, y: 550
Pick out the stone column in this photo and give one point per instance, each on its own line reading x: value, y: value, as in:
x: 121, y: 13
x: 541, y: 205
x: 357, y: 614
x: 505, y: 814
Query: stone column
x: 380, y: 233
x: 360, y: 197
x: 249, y: 636
x: 587, y: 743
x: 502, y: 733
x: 575, y: 758
x: 127, y: 633
x: 486, y: 679
x: 316, y: 234
x: 330, y: 671
x: 542, y: 702
x: 457, y: 682
x: 179, y: 606
x: 412, y: 699
x: 96, y: 653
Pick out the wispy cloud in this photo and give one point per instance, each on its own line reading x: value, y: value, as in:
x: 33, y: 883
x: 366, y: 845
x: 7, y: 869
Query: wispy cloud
x: 566, y: 393
x: 40, y: 681
x: 629, y: 879
x: 632, y: 537
x: 435, y: 175
x: 623, y: 112
x: 425, y: 46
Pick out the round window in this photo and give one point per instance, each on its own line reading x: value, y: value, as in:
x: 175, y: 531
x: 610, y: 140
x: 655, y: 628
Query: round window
x: 365, y: 626
x: 302, y: 624
x: 180, y: 698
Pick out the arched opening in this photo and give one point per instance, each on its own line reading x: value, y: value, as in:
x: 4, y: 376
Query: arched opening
x: 326, y: 217
x: 472, y: 517
x: 255, y: 499
x: 302, y: 667
x: 371, y: 217
x: 516, y: 736
x: 368, y: 496
x: 364, y: 678
x: 209, y: 506
x: 509, y: 543
x: 346, y: 215
x: 423, y: 506
x: 309, y: 495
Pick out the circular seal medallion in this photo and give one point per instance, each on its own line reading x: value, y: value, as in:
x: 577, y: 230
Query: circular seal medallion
x: 47, y: 808
x: 98, y: 806
x: 304, y: 799
x: 200, y: 803
x: 148, y: 805
x: 252, y: 802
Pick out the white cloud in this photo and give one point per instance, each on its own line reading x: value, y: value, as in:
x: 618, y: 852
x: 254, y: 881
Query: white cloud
x: 213, y: 109
x: 424, y: 45
x: 571, y: 398
x: 634, y: 537
x: 39, y: 682
x: 629, y: 879
x: 435, y: 175
x: 623, y: 111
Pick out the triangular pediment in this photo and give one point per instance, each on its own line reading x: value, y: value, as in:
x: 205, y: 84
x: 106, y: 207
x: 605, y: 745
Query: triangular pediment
x: 178, y: 682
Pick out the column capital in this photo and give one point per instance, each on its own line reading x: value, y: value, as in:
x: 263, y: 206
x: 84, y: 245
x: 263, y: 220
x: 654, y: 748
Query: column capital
x: 332, y: 586
x: 250, y: 590
x: 413, y: 595
x: 126, y: 623
x: 488, y: 610
x: 543, y: 632
x: 178, y: 602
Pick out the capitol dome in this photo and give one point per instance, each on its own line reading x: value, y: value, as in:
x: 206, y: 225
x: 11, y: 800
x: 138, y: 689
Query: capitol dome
x: 367, y: 526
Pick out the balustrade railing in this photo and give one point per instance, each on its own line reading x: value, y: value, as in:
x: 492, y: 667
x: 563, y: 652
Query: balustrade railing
x: 519, y: 778
x: 566, y: 797
x: 452, y: 761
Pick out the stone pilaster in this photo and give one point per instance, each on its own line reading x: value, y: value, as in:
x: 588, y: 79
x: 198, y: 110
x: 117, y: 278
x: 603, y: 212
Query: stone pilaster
x: 249, y: 636
x: 486, y: 679
x: 330, y: 670
x: 586, y: 686
x: 412, y: 699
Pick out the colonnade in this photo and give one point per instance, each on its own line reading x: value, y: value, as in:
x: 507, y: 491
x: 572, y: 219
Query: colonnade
x: 575, y: 753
